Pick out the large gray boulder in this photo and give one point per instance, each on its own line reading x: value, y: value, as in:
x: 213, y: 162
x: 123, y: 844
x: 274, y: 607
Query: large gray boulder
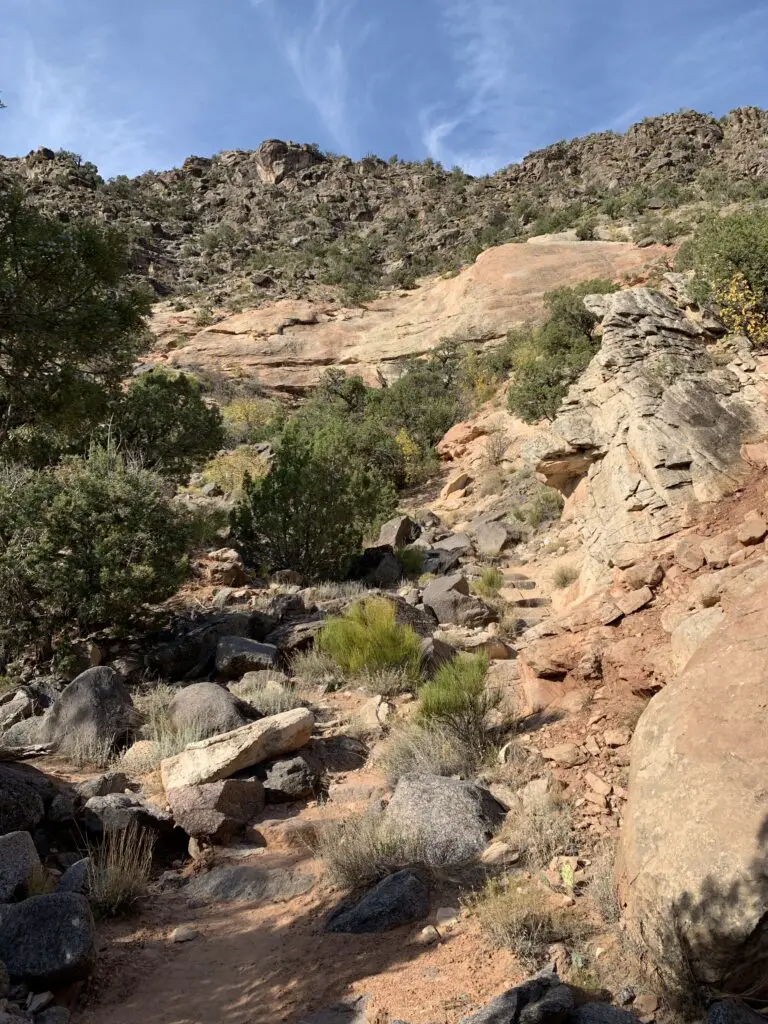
x: 207, y: 709
x: 18, y: 863
x: 47, y: 941
x: 398, y: 532
x: 217, y: 810
x: 246, y: 884
x: 76, y: 877
x: 95, y: 708
x: 102, y: 785
x: 236, y: 655
x: 398, y: 899
x: 118, y: 811
x: 693, y: 846
x: 449, y: 599
x: 492, y: 538
x: 451, y: 820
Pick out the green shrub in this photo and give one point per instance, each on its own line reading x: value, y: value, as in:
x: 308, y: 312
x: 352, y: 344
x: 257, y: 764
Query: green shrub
x: 368, y: 636
x: 490, y: 583
x: 458, y: 699
x: 163, y: 419
x: 412, y: 561
x: 725, y: 246
x: 547, y: 359
x: 85, y: 546
x: 544, y: 506
x: 72, y: 321
x: 312, y: 510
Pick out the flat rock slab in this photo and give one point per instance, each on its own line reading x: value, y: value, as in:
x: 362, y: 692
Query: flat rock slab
x: 244, y: 884
x: 350, y: 1011
x: 220, y: 757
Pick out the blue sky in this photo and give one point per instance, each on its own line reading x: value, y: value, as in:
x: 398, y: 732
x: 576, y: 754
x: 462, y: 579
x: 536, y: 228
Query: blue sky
x: 140, y: 84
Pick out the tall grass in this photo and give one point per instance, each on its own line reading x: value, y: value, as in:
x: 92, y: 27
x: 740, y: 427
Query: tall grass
x: 119, y: 870
x: 490, y: 583
x: 365, y: 848
x: 368, y: 636
x: 458, y: 700
x: 428, y: 748
x: 269, y: 696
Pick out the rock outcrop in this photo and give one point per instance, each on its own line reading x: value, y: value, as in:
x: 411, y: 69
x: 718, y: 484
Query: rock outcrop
x: 695, y: 841
x: 653, y: 429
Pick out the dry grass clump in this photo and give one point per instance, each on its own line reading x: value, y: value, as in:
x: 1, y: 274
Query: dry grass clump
x: 564, y: 576
x: 269, y: 696
x: 386, y: 682
x: 168, y: 739
x: 368, y: 636
x: 344, y: 590
x: 543, y: 830
x: 517, y: 913
x: 317, y: 668
x: 602, y: 888
x: 84, y: 750
x: 430, y: 749
x: 490, y: 583
x: 365, y: 848
x: 119, y: 870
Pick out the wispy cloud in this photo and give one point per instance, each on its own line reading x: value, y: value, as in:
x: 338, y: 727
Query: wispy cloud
x: 57, y: 104
x: 318, y: 55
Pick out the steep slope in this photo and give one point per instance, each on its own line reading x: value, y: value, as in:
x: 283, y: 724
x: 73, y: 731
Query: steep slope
x: 288, y: 221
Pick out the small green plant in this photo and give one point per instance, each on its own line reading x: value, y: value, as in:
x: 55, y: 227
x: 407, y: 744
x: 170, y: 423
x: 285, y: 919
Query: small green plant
x: 119, y: 870
x: 564, y: 576
x: 490, y: 583
x: 368, y: 636
x: 412, y: 561
x: 544, y: 507
x: 458, y: 700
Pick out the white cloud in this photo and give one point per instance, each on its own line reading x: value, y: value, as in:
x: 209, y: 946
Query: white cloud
x: 59, y: 105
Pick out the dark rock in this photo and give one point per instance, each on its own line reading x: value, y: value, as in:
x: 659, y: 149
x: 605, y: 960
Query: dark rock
x: 47, y: 941
x: 434, y: 654
x: 217, y: 810
x: 18, y: 862
x: 377, y: 566
x: 399, y: 899
x: 75, y: 879
x: 421, y: 620
x: 207, y: 709
x: 54, y: 1015
x: 600, y: 1013
x: 246, y: 884
x: 456, y: 543
x: 96, y: 707
x: 62, y: 808
x: 339, y: 753
x: 296, y: 634
x: 398, y: 532
x: 520, y: 1003
x: 188, y: 655
x: 289, y: 778
x: 440, y: 562
x: 729, y: 1011
x: 5, y: 981
x: 288, y: 577
x: 449, y: 599
x: 103, y: 785
x: 21, y: 804
x: 452, y: 819
x: 350, y: 1011
x: 237, y: 655
x: 119, y: 810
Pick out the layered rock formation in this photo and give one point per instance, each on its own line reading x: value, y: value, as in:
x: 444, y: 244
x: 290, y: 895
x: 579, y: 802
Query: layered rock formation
x: 655, y: 427
x: 288, y: 344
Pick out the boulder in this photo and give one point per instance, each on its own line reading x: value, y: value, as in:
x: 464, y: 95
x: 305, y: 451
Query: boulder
x: 452, y: 819
x: 718, y: 549
x: 458, y: 482
x: 600, y: 1013
x: 379, y: 567
x: 448, y: 598
x: 103, y: 785
x: 236, y: 655
x: 398, y: 899
x: 191, y: 654
x: 117, y: 811
x: 492, y: 538
x: 15, y: 708
x: 21, y: 804
x: 18, y: 863
x: 207, y: 709
x: 543, y: 1000
x: 96, y: 707
x: 691, y: 633
x: 75, y: 878
x: 694, y: 836
x: 217, y: 810
x: 289, y: 778
x: 398, y: 532
x: 434, y: 654
x: 47, y: 942
x: 246, y: 884
x: 454, y: 543
x: 752, y: 530
x: 220, y: 757
x: 688, y: 554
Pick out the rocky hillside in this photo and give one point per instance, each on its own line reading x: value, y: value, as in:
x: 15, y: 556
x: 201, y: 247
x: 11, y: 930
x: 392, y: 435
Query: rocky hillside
x: 243, y: 228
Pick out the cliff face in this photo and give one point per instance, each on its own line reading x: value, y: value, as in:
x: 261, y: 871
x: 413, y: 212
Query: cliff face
x: 286, y: 221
